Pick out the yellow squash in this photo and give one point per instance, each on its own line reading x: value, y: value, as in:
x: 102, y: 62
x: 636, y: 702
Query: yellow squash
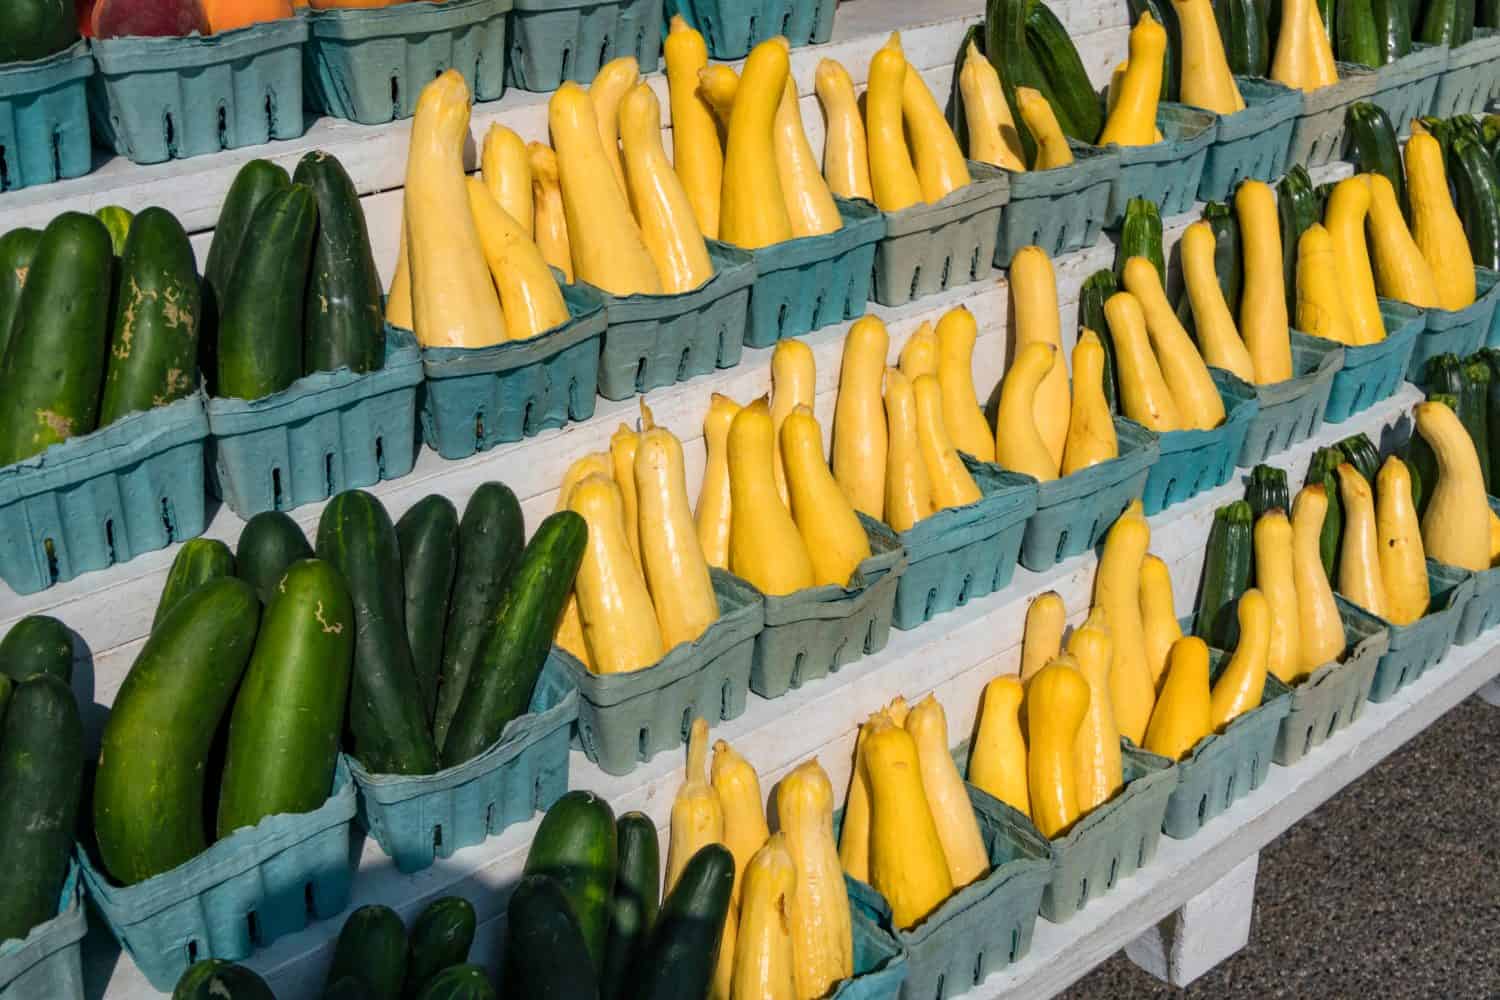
x: 1451, y: 525
x: 1091, y: 427
x: 962, y: 415
x: 1403, y: 562
x: 1033, y: 297
x: 1321, y: 309
x: 752, y: 211
x: 809, y: 202
x: 1345, y: 219
x: 1183, y: 714
x: 614, y: 80
x: 712, y: 514
x: 854, y: 837
x: 907, y: 865
x: 717, y: 85
x: 506, y: 168
x: 822, y: 940
x: 893, y: 178
x: 622, y: 447
x: 763, y: 947
x: 551, y: 220
x: 1159, y: 628
x: 696, y: 154
x: 1019, y: 445
x: 952, y: 813
x: 1213, y: 323
x: 908, y: 491
x: 919, y: 355
x: 793, y: 384
x: 1097, y: 768
x: 1199, y: 404
x: 1323, y: 67
x: 1117, y: 588
x: 697, y: 813
x: 1401, y: 272
x: 997, y: 758
x: 1263, y: 318
x: 676, y: 572
x: 738, y: 788
x: 952, y: 484
x: 661, y: 204
x: 570, y: 630
x: 1132, y: 121
x: 1057, y: 700
x: 859, y: 433
x: 1052, y: 149
x: 1296, y: 59
x: 846, y: 157
x: 940, y: 165
x: 1243, y: 679
x: 1206, y: 81
x: 1275, y: 577
x: 764, y: 545
x: 831, y: 530
x: 1435, y: 224
x: 993, y: 137
x: 529, y: 296
x: 1359, y: 548
x: 619, y: 623
x: 398, y: 301
x: 1046, y: 617
x: 1320, y: 627
x: 1143, y: 390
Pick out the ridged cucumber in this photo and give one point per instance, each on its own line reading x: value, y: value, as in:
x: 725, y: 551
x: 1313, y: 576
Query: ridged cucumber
x: 545, y: 951
x: 576, y: 847
x: 270, y: 542
x: 428, y: 534
x: 37, y: 644
x: 440, y: 939
x: 198, y: 561
x: 345, y: 321
x: 372, y: 949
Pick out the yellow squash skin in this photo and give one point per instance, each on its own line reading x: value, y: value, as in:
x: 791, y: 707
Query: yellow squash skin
x: 1033, y: 297
x: 793, y: 384
x: 712, y: 514
x: 605, y: 241
x: 661, y: 205
x: 846, y: 156
x: 398, y: 301
x: 570, y: 630
x: 1052, y: 149
x: 619, y: 623
x: 696, y: 154
x: 550, y: 228
x: 1321, y: 310
x: 919, y: 356
x: 1359, y: 550
x: 717, y: 85
x: 1275, y: 578
x: 738, y: 788
x: 854, y: 838
x: 752, y: 212
x: 1213, y: 323
x: 453, y: 299
x: 676, y: 572
x: 506, y: 168
x: 952, y: 485
x: 1057, y: 700
x: 1158, y: 616
x: 952, y: 813
x: 622, y: 448
x: 615, y: 79
x: 1323, y: 67
x: 763, y: 948
x: 1116, y: 81
x: 859, y: 432
x: 1097, y: 768
x: 1321, y: 629
x: 764, y: 545
x: 1403, y: 562
x: 529, y: 296
x: 1345, y: 219
x: 1132, y: 122
x: 1091, y: 427
x: 1046, y: 617
x: 1143, y: 390
x: 908, y: 491
x: 1435, y: 224
x: 1451, y: 531
x: 1294, y: 62
x: 1199, y: 404
x: 993, y: 137
x: 1183, y: 714
x: 1206, y: 80
x: 1243, y: 680
x: 1263, y: 318
x: 893, y: 178
x: 822, y: 941
x: 962, y: 415
x: 1117, y: 586
x: 830, y: 528
x: 809, y: 202
x: 697, y: 821
x: 1019, y: 444
x: 940, y: 165
x: 997, y: 758
x: 907, y: 865
x: 1401, y: 272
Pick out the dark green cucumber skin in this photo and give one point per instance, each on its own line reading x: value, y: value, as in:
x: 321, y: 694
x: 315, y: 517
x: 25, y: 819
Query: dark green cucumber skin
x: 372, y: 949
x: 153, y: 351
x: 270, y: 543
x: 635, y: 901
x: 1355, y: 40
x: 1392, y: 29
x: 1297, y: 208
x: 428, y: 534
x: 1472, y: 407
x: 198, y: 561
x: 1140, y: 236
x: 510, y: 661
x: 440, y: 939
x: 1062, y: 66
x: 1006, y: 46
x: 683, y: 949
x: 289, y: 714
x: 1372, y: 145
x: 148, y: 794
x: 6, y: 687
x: 1476, y: 184
x: 216, y: 979
x: 546, y: 956
x: 255, y: 182
x: 54, y: 362
x: 1441, y: 23
x: 490, y: 538
x: 1096, y: 291
x: 41, y: 773
x: 1244, y: 28
x: 260, y: 327
x: 17, y: 250
x: 37, y: 644
x: 386, y: 716
x: 576, y: 846
x: 34, y: 29
x: 470, y: 982
x: 345, y: 322
x: 1226, y: 574
x: 1163, y: 13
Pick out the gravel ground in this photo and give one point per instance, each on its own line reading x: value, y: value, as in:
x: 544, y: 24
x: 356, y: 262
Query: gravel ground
x: 1390, y: 890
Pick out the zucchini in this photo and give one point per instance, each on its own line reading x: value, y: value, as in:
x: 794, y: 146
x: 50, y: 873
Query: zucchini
x: 1227, y: 565
x: 1322, y: 469
x: 576, y: 848
x: 680, y: 955
x: 545, y: 951
x: 469, y: 982
x: 1360, y: 452
x: 289, y: 714
x: 1444, y: 373
x: 1097, y: 289
x: 1476, y: 188
x: 1355, y: 39
x: 490, y: 538
x: 345, y: 321
x: 1491, y: 357
x: 49, y: 381
x: 17, y: 249
x: 635, y: 902
x: 1440, y: 23
x: 260, y: 328
x: 1472, y: 407
x: 1392, y: 29
x: 216, y: 979
x: 1297, y: 208
x: 41, y: 774
x: 148, y: 793
x: 37, y: 644
x: 1267, y: 490
x: 1244, y: 27
x: 1370, y: 142
x: 1140, y: 236
x: 1079, y: 112
x: 270, y: 543
x: 514, y: 649
x: 372, y: 949
x: 428, y: 534
x: 198, y: 561
x: 386, y: 719
x: 440, y: 939
x: 1006, y: 45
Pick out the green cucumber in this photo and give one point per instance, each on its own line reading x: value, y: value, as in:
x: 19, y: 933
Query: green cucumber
x: 470, y: 982
x: 1097, y: 288
x: 256, y: 181
x: 1267, y: 490
x: 1322, y: 470
x: 41, y: 773
x: 1140, y: 236
x: 1476, y: 186
x: 1360, y: 452
x: 1296, y: 208
x: 216, y: 979
x: 440, y: 939
x: 289, y: 714
x: 490, y: 538
x: 635, y: 901
x: 1371, y: 144
x: 385, y: 707
x: 54, y: 362
x: 683, y: 950
x: 1355, y: 38
x: 546, y: 954
x: 37, y: 644
x: 504, y: 675
x: 428, y: 534
x: 1440, y: 23
x: 1392, y: 29
x: 345, y: 320
x: 372, y: 949
x: 1472, y: 410
x: 198, y: 561
x: 1073, y: 98
x: 17, y: 249
x: 270, y: 542
x: 260, y: 327
x: 1227, y: 565
x: 576, y: 847
x: 1245, y: 30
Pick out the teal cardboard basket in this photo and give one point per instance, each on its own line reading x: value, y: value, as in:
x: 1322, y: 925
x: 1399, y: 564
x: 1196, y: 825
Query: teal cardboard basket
x: 1405, y: 88
x: 731, y: 28
x: 44, y: 118
x: 1413, y: 649
x: 1332, y: 696
x: 1288, y: 412
x: 369, y: 65
x: 930, y: 248
x: 326, y: 433
x: 963, y: 553
x: 46, y: 964
x: 478, y: 397
x: 1167, y: 172
x: 1472, y: 77
x: 1073, y: 513
x: 1456, y: 331
x: 418, y: 819
x: 1060, y: 210
x: 656, y: 340
x: 879, y: 959
x: 1482, y: 612
x: 805, y: 284
x: 104, y: 498
x: 1371, y: 372
x: 556, y: 40
x: 1319, y: 135
x: 248, y: 889
x: 1191, y: 462
x: 1251, y: 144
x: 157, y: 99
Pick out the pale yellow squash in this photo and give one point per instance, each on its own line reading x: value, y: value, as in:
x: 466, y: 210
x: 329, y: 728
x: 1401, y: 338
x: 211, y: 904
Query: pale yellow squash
x: 1276, y: 578
x: 1159, y: 627
x: 1199, y: 405
x: 671, y: 555
x: 793, y: 384
x: 1117, y: 590
x: 951, y: 482
x: 1401, y: 272
x: 1046, y: 617
x: 952, y: 813
x: 697, y: 155
x: 1097, y: 765
x: 1091, y: 427
x: 962, y: 415
x: 1320, y: 627
x: 1143, y: 390
x: 822, y: 939
x: 738, y: 788
x: 993, y: 137
x: 661, y: 205
x: 908, y: 491
x: 939, y: 162
x: 1213, y: 323
x: 846, y: 156
x: 1183, y: 714
x: 712, y: 514
x: 1403, y: 562
x: 752, y: 211
x: 919, y: 355
x: 830, y: 528
x: 764, y: 545
x: 1033, y: 298
x: 1359, y: 548
x: 1019, y: 444
x: 530, y: 298
x: 1435, y: 224
x: 1348, y: 206
x: 809, y: 202
x: 619, y: 623
x: 997, y: 757
x: 1206, y: 81
x: 1451, y: 525
x: 622, y: 446
x: 893, y: 177
x: 1263, y: 316
x: 614, y: 80
x: 859, y: 433
x: 550, y: 227
x: 1242, y: 682
x: 506, y: 168
x: 398, y: 300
